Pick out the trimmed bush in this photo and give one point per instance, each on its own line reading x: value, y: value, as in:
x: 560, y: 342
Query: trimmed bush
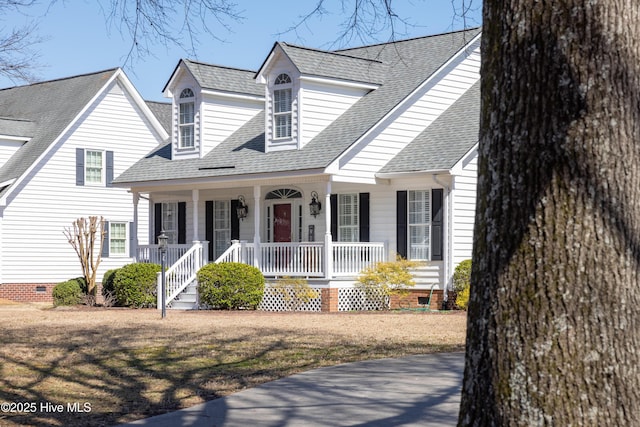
x: 107, y: 282
x: 135, y: 285
x: 230, y: 286
x: 67, y: 293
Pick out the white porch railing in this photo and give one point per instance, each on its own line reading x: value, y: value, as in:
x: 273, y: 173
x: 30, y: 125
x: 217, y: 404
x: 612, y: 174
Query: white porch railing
x: 306, y: 258
x: 349, y: 259
x: 183, y: 272
x: 151, y: 253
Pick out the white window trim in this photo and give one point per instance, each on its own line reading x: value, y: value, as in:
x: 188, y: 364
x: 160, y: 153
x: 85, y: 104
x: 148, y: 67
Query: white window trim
x: 224, y: 206
x: 289, y: 113
x: 428, y: 224
x: 103, y: 168
x: 112, y: 253
x: 172, y: 231
x: 355, y: 215
x: 183, y: 101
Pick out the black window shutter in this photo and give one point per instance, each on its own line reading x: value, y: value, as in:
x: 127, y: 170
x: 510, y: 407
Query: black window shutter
x: 208, y: 227
x: 364, y: 217
x: 157, y: 221
x: 436, y: 224
x: 105, y: 242
x: 401, y: 223
x: 235, y: 222
x: 334, y: 217
x: 182, y: 223
x: 79, y: 166
x: 109, y: 170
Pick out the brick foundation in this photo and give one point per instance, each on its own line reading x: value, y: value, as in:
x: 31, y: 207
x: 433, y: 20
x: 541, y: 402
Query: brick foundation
x: 27, y: 292
x: 329, y: 300
x: 417, y: 298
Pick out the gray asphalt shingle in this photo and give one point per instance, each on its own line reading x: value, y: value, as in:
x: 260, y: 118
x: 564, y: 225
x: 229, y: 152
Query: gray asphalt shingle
x: 407, y: 65
x: 44, y: 110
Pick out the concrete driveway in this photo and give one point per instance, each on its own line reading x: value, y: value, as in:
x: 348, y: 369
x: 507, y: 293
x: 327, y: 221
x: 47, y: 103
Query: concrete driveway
x: 422, y: 390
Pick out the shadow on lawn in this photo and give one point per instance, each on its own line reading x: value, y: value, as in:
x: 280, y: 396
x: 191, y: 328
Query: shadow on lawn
x: 128, y: 373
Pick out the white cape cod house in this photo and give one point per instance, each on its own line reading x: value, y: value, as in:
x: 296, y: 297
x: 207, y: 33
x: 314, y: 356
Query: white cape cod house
x: 319, y: 164
x: 61, y: 144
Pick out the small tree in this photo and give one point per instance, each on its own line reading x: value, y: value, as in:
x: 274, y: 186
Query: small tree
x: 387, y: 278
x: 86, y: 235
x: 295, y: 292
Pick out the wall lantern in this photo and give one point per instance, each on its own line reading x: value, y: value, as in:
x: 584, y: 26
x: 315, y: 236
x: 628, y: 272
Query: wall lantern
x: 242, y: 210
x: 315, y: 206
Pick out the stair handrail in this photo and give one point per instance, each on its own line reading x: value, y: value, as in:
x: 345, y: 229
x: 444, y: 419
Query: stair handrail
x: 184, y: 270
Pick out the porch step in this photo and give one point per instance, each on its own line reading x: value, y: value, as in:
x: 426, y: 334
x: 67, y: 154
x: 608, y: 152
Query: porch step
x: 187, y: 300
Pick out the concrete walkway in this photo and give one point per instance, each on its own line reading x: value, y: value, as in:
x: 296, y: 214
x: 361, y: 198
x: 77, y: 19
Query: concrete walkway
x: 421, y: 390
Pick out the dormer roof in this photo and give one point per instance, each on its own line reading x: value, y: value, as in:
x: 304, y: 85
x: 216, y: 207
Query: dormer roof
x: 218, y: 78
x: 326, y: 64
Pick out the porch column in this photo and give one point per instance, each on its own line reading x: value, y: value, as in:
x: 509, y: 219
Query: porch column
x: 133, y: 250
x: 328, y: 244
x: 195, y: 197
x: 257, y: 215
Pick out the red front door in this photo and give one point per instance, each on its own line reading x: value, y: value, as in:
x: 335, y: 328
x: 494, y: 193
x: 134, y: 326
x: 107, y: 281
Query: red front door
x: 282, y: 222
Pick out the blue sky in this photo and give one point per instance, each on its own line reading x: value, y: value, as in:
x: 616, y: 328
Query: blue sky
x: 78, y: 39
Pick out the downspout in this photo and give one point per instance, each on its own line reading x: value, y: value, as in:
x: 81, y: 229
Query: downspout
x: 446, y: 237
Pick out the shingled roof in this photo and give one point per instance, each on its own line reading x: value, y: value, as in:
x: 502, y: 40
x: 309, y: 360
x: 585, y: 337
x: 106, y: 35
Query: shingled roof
x: 42, y: 111
x: 406, y: 64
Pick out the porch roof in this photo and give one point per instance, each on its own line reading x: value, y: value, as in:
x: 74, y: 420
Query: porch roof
x: 410, y: 63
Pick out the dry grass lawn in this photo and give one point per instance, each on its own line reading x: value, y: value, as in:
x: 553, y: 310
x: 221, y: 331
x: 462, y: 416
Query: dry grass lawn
x: 130, y: 364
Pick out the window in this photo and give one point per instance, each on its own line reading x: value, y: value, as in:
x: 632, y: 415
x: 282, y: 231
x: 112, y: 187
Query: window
x: 221, y: 226
x: 187, y: 119
x: 118, y: 238
x: 282, y: 107
x: 419, y: 224
x: 170, y: 221
x: 348, y: 214
x: 94, y: 167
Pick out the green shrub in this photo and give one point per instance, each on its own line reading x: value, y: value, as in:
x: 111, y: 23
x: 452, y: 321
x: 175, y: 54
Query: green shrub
x: 107, y: 282
x: 387, y: 278
x: 462, y: 283
x: 67, y: 293
x: 462, y: 275
x: 230, y: 286
x: 135, y: 285
x: 462, y: 298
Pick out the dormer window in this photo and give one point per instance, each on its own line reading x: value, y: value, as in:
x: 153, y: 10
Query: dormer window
x: 282, y: 106
x: 186, y: 126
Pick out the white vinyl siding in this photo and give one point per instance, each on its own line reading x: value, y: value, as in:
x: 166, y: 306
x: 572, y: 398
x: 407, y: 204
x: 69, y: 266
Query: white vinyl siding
x: 407, y: 123
x: 321, y: 105
x: 224, y: 116
x: 464, y: 209
x: 33, y: 247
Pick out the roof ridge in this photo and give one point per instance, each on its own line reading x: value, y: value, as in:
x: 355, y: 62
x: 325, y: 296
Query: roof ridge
x: 208, y: 64
x: 330, y: 52
x: 408, y: 40
x: 62, y: 79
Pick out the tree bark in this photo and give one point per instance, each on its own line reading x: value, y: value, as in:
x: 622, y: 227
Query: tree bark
x: 554, y: 318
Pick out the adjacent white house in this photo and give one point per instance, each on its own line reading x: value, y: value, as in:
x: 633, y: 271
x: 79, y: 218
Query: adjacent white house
x: 62, y: 142
x: 316, y: 165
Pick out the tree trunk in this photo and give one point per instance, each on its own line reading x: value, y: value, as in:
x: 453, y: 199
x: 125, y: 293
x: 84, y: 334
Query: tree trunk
x: 554, y: 317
